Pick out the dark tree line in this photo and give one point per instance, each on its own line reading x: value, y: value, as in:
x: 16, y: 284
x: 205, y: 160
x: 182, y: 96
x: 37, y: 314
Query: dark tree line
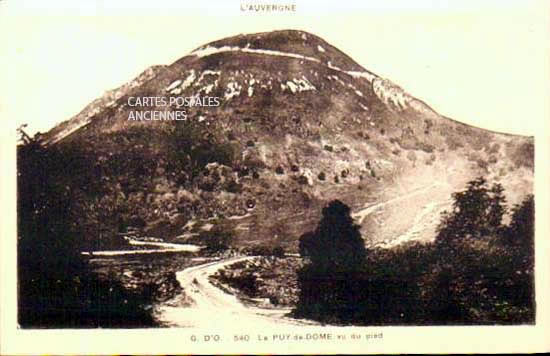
x: 478, y: 271
x: 55, y: 286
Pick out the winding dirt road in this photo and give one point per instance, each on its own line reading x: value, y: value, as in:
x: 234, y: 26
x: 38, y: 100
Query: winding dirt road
x: 212, y: 307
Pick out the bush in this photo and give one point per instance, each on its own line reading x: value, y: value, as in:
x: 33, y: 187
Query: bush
x: 81, y: 300
x: 479, y: 285
x: 261, y: 250
x: 220, y: 238
x: 264, y: 250
x: 245, y: 282
x: 303, y: 180
x: 393, y: 288
x: 278, y: 251
x: 232, y: 186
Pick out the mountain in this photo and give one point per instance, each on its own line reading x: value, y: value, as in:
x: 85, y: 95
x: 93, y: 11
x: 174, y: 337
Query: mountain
x: 299, y: 124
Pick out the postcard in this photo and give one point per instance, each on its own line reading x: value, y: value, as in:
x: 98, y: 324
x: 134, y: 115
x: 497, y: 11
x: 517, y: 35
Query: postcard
x: 274, y: 177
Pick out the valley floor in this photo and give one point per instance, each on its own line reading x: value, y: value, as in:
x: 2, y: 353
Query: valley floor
x: 204, y: 304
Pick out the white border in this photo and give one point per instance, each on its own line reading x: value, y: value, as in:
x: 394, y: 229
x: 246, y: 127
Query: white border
x: 168, y: 341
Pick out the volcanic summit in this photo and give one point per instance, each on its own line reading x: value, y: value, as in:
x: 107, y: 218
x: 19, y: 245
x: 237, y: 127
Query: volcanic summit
x: 298, y: 124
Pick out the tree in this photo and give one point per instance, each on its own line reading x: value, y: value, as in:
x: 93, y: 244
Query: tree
x: 331, y: 280
x: 477, y: 211
x: 473, y: 281
x: 336, y: 244
x: 521, y: 230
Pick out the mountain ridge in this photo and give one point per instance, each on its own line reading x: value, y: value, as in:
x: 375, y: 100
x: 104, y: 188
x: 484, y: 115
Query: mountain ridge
x: 300, y: 123
x: 151, y: 72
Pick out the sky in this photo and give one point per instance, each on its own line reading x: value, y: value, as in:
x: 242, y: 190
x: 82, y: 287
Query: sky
x: 485, y: 63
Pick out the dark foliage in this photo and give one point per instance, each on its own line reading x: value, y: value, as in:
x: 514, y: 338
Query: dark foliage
x: 80, y: 300
x: 279, y: 170
x: 278, y: 251
x: 219, y: 239
x: 191, y: 149
x: 479, y: 271
x: 264, y: 250
x: 330, y: 282
x: 245, y: 282
x: 521, y: 231
x: 477, y: 211
x: 393, y: 286
x: 55, y: 286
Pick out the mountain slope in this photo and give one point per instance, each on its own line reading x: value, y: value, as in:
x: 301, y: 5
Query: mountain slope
x: 299, y: 123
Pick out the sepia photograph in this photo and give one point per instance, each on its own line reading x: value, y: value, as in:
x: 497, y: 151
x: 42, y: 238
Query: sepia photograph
x: 232, y: 174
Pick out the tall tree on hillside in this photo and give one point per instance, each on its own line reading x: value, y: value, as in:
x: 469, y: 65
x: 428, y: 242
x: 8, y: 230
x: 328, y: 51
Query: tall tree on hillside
x: 335, y: 254
x: 477, y: 211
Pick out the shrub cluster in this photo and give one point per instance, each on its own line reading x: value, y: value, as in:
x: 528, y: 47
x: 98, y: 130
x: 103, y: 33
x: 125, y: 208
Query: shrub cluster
x: 478, y: 270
